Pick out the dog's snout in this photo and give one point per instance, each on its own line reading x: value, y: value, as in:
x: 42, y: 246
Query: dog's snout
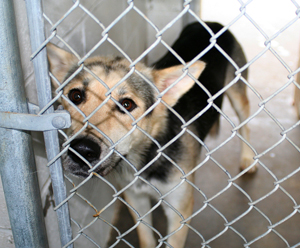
x: 87, y: 148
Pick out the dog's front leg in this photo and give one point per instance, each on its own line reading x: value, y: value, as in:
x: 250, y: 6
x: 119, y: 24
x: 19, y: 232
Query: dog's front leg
x: 141, y: 203
x: 182, y: 201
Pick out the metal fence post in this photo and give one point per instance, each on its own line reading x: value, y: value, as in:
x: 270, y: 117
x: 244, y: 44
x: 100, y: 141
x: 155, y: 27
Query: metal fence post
x: 17, y: 164
x: 37, y: 37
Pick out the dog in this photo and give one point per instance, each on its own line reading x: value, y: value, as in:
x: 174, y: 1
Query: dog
x: 135, y: 124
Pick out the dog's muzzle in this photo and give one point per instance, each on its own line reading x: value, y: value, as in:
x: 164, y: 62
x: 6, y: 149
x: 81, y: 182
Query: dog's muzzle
x: 87, y: 149
x: 86, y: 153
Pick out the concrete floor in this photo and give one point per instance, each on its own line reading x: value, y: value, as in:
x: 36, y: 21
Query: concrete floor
x: 267, y: 75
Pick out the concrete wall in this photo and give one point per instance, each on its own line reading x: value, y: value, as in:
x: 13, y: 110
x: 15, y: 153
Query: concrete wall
x: 133, y: 35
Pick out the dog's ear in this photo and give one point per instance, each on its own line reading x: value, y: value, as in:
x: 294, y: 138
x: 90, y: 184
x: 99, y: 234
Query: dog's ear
x: 60, y: 61
x: 165, y: 77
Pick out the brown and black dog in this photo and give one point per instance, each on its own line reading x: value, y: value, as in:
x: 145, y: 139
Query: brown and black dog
x: 135, y: 124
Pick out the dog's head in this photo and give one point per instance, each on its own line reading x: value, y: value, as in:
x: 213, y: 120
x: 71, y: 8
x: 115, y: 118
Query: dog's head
x: 105, y: 98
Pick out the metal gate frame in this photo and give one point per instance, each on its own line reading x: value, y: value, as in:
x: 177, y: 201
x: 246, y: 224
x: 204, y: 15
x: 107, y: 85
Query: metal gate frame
x: 17, y: 165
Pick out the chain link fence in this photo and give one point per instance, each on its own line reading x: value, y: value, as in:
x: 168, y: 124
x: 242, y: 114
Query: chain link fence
x: 104, y: 28
x: 232, y: 208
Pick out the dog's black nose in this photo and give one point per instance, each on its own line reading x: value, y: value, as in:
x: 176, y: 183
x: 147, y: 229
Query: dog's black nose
x: 87, y: 148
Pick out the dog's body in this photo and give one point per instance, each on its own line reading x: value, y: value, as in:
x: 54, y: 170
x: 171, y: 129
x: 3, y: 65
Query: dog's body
x: 143, y: 153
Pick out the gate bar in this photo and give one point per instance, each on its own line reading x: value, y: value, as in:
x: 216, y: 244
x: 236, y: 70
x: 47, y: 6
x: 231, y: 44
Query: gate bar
x: 17, y: 164
x: 37, y: 37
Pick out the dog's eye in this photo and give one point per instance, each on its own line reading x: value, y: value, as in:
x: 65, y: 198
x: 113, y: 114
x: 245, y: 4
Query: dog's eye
x: 76, y: 96
x: 128, y: 104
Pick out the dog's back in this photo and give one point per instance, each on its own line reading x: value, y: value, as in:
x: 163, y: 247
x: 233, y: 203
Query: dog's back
x: 218, y: 71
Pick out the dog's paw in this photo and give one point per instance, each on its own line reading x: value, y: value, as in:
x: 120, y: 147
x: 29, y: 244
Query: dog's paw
x: 246, y: 162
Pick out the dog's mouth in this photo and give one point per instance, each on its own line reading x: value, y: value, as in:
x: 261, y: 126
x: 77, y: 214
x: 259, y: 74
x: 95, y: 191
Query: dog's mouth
x: 83, y: 155
x: 84, y: 172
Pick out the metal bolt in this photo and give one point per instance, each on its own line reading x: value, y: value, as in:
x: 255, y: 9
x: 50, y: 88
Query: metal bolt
x: 59, y: 122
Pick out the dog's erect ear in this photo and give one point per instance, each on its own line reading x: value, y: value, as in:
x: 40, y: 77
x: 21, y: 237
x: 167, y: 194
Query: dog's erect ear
x: 60, y: 61
x: 165, y: 77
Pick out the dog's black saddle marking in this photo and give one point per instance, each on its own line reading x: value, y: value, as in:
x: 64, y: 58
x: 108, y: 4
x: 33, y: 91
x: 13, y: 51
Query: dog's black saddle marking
x: 192, y: 41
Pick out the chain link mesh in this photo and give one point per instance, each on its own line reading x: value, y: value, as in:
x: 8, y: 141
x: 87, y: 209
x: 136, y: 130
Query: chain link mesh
x: 252, y: 212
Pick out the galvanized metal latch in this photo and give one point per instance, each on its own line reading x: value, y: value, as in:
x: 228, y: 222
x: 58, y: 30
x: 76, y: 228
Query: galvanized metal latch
x: 60, y: 119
